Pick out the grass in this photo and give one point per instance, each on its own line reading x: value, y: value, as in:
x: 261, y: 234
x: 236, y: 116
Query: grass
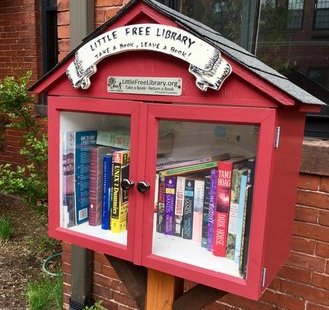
x: 6, y: 229
x: 45, y: 293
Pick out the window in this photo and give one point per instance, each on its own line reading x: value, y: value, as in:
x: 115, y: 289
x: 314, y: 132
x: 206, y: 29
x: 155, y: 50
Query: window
x: 321, y: 15
x: 264, y: 28
x: 49, y: 34
x: 295, y: 14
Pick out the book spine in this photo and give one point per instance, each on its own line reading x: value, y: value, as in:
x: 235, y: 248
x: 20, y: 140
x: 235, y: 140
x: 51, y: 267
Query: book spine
x: 160, y: 205
x: 240, y: 219
x: 189, y: 169
x: 233, y: 214
x: 246, y: 232
x: 84, y: 141
x: 223, y: 207
x: 93, y: 187
x: 106, y: 193
x: 170, y: 197
x: 197, y: 210
x: 118, y: 139
x: 188, y: 209
x: 119, y: 208
x: 179, y: 205
x: 205, y: 212
x: 68, y: 179
x: 212, y: 207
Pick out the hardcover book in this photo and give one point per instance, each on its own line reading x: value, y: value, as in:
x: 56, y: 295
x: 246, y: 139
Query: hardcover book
x: 80, y: 143
x: 169, y: 205
x: 188, y: 209
x: 119, y: 207
x: 96, y: 184
x: 107, y: 191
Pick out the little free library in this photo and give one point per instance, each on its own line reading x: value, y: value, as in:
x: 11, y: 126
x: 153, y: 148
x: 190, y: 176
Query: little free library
x: 173, y: 148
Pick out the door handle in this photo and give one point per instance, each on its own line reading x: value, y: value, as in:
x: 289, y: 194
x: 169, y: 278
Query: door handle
x: 127, y: 184
x: 143, y: 187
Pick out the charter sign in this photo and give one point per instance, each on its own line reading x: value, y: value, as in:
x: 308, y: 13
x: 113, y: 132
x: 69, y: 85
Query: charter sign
x: 206, y: 63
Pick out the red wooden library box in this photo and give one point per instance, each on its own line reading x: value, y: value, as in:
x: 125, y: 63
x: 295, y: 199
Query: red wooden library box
x: 173, y: 148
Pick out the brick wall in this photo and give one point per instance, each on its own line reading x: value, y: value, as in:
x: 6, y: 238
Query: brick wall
x: 301, y: 284
x: 19, y: 37
x: 19, y: 52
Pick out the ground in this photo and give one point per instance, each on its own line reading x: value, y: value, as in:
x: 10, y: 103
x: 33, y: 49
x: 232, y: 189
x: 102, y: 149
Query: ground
x: 20, y: 257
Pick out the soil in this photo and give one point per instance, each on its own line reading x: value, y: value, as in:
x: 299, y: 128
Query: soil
x: 20, y: 262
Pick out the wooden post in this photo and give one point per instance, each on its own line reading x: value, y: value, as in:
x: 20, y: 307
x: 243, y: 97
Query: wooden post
x: 162, y: 290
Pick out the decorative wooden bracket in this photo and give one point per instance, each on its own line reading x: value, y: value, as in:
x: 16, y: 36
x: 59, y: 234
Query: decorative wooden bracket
x: 163, y: 291
x: 197, y: 298
x: 133, y: 277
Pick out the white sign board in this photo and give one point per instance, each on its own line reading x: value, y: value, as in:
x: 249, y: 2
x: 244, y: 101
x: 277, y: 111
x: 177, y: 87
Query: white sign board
x: 145, y: 85
x: 206, y: 63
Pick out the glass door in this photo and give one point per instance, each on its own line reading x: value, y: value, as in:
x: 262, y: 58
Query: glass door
x: 93, y: 155
x: 204, y: 180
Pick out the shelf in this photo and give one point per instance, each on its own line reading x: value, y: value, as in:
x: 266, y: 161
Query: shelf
x: 98, y: 232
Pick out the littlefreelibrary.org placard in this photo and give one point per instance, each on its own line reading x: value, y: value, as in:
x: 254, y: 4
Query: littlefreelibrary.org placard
x: 145, y: 85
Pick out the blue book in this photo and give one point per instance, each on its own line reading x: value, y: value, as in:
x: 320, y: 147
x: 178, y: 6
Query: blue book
x: 84, y: 140
x: 241, y: 218
x: 106, y: 201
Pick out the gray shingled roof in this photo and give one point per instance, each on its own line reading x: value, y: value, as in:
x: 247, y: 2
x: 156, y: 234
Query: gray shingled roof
x: 214, y: 38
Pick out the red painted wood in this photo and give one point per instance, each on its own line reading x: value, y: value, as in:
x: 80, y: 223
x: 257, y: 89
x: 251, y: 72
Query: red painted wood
x: 61, y: 104
x: 243, y: 99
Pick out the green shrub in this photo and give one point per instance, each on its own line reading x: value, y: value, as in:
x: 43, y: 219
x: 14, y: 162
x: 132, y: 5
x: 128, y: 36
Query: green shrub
x: 45, y: 294
x: 29, y: 180
x: 6, y: 229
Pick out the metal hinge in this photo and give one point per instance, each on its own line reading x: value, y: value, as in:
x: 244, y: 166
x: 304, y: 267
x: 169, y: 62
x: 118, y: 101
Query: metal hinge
x: 264, y: 276
x: 277, y: 137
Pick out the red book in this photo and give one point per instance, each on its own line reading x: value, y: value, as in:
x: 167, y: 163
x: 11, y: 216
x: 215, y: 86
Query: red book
x: 225, y: 169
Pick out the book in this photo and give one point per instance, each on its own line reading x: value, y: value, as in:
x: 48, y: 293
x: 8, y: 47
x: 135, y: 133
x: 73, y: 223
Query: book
x: 166, y: 164
x: 96, y: 184
x: 246, y: 230
x: 233, y: 214
x: 188, y: 209
x: 119, y: 201
x: 107, y: 191
x: 160, y: 205
x: 169, y: 205
x: 179, y: 205
x: 205, y: 212
x: 189, y: 169
x: 118, y: 138
x: 197, y: 210
x: 84, y: 140
x: 241, y: 218
x: 212, y: 207
x: 225, y: 169
x: 68, y: 179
